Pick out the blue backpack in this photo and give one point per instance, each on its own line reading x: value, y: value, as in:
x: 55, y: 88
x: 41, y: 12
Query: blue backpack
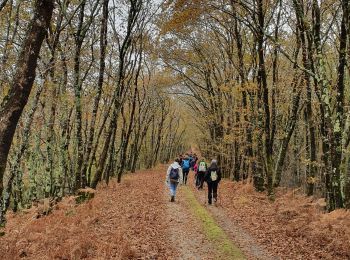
x: 186, y: 164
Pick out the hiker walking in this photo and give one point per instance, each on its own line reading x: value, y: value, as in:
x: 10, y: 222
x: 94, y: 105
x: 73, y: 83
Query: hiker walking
x: 173, y: 178
x: 195, y: 169
x: 195, y: 158
x: 202, y: 168
x: 213, y: 177
x: 185, y: 168
x: 190, y: 158
x: 180, y: 158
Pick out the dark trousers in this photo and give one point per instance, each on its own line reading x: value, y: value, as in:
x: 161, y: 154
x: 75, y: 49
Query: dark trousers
x: 185, y: 174
x: 212, y: 191
x: 200, y: 179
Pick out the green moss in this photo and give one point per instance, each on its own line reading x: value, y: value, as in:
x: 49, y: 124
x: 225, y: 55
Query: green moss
x: 224, y: 246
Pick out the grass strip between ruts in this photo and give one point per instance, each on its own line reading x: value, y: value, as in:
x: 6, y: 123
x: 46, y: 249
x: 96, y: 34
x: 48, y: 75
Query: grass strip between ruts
x: 224, y: 246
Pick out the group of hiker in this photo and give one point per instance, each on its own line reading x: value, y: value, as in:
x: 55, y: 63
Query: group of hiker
x: 179, y: 170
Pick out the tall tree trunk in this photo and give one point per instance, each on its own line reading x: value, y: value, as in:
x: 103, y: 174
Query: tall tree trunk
x: 20, y: 152
x: 287, y: 136
x: 79, y: 38
x: 307, y: 61
x: 103, y: 46
x: 3, y: 4
x: 242, y: 75
x: 125, y: 141
x: 12, y: 106
x: 108, y: 142
x: 262, y: 82
x: 292, y: 120
x: 339, y: 120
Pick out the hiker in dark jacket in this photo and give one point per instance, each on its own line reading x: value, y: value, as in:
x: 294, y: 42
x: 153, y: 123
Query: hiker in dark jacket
x: 180, y: 159
x: 212, y: 178
x: 202, y: 169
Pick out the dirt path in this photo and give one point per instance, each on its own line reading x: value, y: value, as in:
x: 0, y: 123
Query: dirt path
x: 184, y: 232
x: 241, y: 237
x: 190, y: 234
x: 131, y: 220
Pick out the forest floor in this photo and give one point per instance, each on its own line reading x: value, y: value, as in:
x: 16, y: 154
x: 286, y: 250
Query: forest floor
x: 135, y: 220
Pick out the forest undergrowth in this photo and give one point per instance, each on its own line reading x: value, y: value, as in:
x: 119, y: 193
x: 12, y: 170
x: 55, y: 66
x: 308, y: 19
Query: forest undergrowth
x: 135, y: 220
x: 122, y: 221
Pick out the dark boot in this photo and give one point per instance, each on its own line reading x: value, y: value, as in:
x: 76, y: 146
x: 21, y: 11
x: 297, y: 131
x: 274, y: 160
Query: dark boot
x: 172, y: 198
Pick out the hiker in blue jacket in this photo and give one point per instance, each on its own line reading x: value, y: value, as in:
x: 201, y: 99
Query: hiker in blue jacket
x: 186, y: 165
x: 173, y: 178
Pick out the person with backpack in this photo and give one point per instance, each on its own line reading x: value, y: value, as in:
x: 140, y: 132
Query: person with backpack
x: 190, y: 157
x: 173, y: 178
x: 212, y: 178
x: 185, y: 169
x: 195, y: 158
x: 202, y: 168
x: 195, y: 169
x: 180, y: 158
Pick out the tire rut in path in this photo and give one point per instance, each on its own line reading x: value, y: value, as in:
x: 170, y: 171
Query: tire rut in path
x: 194, y: 231
x: 240, y: 237
x: 184, y: 230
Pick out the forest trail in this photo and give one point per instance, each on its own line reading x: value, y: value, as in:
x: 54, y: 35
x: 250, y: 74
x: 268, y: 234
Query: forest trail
x: 90, y: 90
x: 131, y: 220
x: 136, y: 220
x: 206, y: 233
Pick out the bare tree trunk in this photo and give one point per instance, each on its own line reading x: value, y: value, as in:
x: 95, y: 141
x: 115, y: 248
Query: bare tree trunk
x: 79, y: 38
x: 307, y: 61
x: 288, y: 134
x: 125, y: 142
x: 103, y: 46
x: 292, y: 120
x: 3, y: 4
x: 12, y: 106
x: 340, y: 119
x: 262, y: 82
x: 108, y: 142
x: 19, y: 153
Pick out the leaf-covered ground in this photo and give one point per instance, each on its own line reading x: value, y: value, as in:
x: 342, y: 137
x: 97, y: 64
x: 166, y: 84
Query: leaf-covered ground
x: 293, y: 227
x: 123, y: 221
x: 135, y: 220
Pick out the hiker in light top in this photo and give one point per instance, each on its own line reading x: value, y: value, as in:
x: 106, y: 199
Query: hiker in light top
x: 202, y: 168
x: 213, y: 177
x: 173, y: 178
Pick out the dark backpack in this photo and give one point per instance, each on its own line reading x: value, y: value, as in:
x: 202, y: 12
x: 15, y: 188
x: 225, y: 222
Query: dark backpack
x: 174, y: 175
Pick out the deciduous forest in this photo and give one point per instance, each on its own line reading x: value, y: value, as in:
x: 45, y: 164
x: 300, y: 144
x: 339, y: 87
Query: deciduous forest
x: 98, y: 97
